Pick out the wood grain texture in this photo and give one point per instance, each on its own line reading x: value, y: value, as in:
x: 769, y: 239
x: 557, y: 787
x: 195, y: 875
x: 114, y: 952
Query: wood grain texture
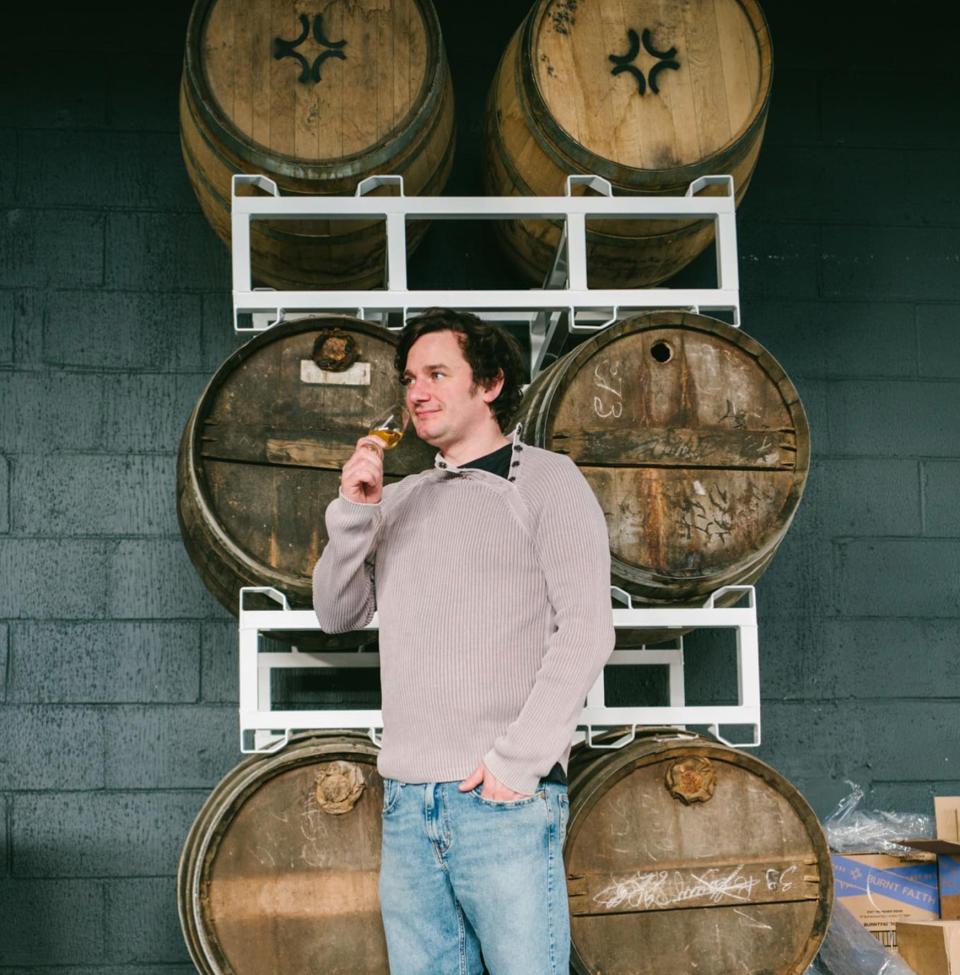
x: 555, y: 108
x: 694, y: 441
x: 386, y: 107
x: 360, y: 102
x: 261, y: 455
x: 271, y: 882
x: 739, y: 881
x: 700, y: 107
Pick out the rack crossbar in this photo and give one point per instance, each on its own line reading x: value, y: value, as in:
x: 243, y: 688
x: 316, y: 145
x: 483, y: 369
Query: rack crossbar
x: 480, y: 207
x: 523, y: 300
x: 659, y: 618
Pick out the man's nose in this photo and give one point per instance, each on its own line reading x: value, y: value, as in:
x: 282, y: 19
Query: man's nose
x: 418, y: 395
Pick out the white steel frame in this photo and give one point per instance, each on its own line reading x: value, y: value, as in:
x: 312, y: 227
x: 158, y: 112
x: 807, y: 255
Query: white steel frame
x: 263, y: 729
x: 564, y: 304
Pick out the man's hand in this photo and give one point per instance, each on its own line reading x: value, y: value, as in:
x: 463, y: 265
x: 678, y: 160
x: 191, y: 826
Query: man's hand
x: 362, y: 477
x: 493, y: 788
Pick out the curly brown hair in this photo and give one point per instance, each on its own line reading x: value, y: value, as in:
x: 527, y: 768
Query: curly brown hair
x: 488, y: 350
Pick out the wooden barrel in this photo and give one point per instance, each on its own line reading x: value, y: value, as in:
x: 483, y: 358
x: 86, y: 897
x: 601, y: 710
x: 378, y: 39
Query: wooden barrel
x: 316, y: 101
x: 278, y: 875
x: 694, y: 441
x: 650, y: 96
x: 684, y: 855
x: 261, y: 453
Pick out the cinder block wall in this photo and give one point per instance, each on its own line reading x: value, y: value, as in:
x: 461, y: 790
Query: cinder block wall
x: 118, y: 670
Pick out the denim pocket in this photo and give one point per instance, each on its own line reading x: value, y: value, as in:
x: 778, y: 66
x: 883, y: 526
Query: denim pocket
x: 509, y: 803
x: 391, y: 794
x: 564, y: 801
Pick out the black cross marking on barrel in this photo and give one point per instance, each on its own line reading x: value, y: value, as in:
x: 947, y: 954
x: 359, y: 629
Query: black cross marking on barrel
x: 287, y: 49
x: 665, y: 61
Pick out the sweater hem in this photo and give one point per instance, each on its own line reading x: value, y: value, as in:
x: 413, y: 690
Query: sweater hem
x: 512, y: 774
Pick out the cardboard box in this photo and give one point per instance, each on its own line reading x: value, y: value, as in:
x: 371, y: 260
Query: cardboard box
x: 930, y: 947
x: 949, y: 870
x: 947, y: 848
x: 880, y: 890
x: 947, y: 810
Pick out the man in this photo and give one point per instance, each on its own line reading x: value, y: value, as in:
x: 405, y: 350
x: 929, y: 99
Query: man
x: 491, y: 576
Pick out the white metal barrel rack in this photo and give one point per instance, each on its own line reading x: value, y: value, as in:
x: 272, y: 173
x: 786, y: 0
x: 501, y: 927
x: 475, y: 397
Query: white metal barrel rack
x: 563, y: 306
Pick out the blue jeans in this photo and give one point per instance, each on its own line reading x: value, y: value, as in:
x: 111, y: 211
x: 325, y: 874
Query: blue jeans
x: 460, y: 872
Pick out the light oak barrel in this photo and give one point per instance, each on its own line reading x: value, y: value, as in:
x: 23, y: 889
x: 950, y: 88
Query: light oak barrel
x: 278, y: 874
x: 694, y: 441
x: 555, y: 108
x: 383, y: 104
x: 683, y: 854
x: 261, y: 454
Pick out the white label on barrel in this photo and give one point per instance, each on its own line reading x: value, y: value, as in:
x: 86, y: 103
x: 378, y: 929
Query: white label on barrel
x: 357, y: 375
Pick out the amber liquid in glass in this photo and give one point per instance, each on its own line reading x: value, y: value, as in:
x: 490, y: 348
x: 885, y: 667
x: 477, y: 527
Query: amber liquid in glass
x: 389, y: 438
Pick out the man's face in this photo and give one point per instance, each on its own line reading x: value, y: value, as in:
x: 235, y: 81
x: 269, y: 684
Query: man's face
x: 445, y: 404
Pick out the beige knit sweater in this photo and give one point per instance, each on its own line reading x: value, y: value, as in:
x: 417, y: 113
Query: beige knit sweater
x: 494, y: 606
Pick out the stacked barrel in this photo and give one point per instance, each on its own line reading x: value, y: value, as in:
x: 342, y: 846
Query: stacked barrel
x: 261, y: 453
x: 681, y: 852
x: 316, y: 102
x: 648, y: 95
x: 694, y: 441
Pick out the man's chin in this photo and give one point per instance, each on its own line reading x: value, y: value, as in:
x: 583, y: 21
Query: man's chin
x: 433, y: 439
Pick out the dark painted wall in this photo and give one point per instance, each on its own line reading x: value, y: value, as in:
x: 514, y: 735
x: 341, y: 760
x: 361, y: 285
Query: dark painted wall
x: 118, y: 670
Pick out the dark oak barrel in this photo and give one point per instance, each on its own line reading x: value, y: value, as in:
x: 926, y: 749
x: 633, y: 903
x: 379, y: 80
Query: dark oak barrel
x: 278, y: 875
x: 684, y: 855
x: 694, y: 441
x: 261, y: 453
x: 317, y: 101
x: 590, y: 88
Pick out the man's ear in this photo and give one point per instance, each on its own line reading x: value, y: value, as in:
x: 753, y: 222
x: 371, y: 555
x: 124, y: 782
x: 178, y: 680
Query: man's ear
x: 491, y: 392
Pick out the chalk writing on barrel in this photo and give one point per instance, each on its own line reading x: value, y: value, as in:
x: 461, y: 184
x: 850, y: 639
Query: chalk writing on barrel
x: 665, y: 888
x: 607, y: 382
x: 776, y: 878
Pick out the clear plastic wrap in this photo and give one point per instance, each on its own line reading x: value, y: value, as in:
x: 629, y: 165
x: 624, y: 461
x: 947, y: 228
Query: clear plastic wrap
x: 850, y: 949
x: 851, y: 830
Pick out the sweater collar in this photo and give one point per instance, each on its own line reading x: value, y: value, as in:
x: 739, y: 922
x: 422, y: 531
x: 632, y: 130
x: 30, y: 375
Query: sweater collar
x: 516, y: 452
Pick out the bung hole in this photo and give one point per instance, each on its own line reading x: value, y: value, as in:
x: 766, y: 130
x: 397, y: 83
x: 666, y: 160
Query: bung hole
x: 661, y: 352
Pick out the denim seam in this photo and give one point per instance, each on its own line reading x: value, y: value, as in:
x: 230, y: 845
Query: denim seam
x: 443, y: 821
x: 551, y: 907
x: 433, y: 843
x: 391, y: 797
x: 510, y: 803
x: 462, y: 938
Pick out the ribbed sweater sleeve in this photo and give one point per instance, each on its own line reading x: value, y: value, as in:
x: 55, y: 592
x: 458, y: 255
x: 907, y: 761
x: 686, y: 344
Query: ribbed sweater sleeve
x: 343, y: 592
x: 573, y: 548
